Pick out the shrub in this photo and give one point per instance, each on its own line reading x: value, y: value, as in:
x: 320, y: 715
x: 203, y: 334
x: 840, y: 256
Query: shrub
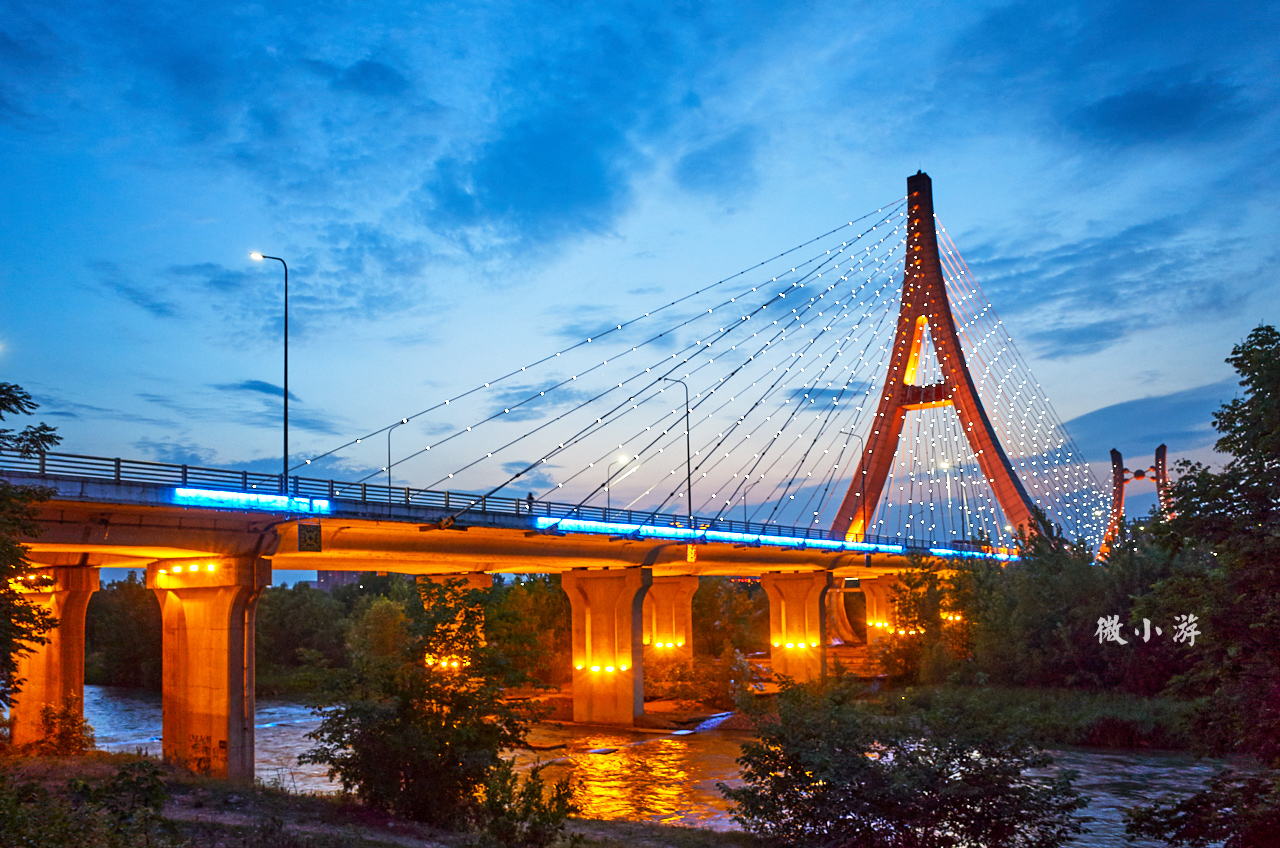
x: 715, y: 682
x: 122, y: 812
x: 415, y: 725
x: 65, y: 731
x: 521, y: 815
x: 827, y: 772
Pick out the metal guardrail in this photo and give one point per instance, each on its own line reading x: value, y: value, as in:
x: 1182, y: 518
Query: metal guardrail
x: 116, y: 469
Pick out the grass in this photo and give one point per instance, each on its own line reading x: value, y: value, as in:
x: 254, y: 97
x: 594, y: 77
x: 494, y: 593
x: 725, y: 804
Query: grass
x: 1053, y: 717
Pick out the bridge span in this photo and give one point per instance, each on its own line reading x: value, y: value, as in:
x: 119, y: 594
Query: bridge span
x: 209, y: 552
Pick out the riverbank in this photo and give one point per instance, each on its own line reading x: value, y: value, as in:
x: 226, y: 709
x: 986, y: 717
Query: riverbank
x: 203, y: 813
x: 1054, y: 718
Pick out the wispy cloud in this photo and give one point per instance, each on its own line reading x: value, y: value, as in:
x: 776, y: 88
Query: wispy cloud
x: 259, y: 386
x: 1180, y: 419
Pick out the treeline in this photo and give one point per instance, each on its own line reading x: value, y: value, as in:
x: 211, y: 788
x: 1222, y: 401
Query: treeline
x: 1035, y: 622
x: 301, y: 629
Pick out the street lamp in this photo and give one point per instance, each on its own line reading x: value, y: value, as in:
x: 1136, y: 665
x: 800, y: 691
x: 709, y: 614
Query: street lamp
x: 862, y: 478
x: 284, y: 476
x: 608, y: 479
x: 688, y: 451
x: 389, y: 429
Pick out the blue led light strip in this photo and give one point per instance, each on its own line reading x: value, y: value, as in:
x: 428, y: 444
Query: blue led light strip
x: 685, y: 534
x: 246, y: 500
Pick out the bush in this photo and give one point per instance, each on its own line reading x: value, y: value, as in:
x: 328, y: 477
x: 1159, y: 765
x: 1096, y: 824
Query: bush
x: 65, y: 731
x: 827, y: 772
x: 122, y: 812
x: 715, y: 682
x: 415, y: 725
x: 520, y: 815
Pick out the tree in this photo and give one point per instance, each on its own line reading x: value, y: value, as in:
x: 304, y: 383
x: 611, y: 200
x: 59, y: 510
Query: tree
x: 416, y: 724
x: 22, y: 623
x: 1233, y: 810
x: 726, y: 613
x: 296, y: 629
x: 537, y: 607
x: 123, y: 635
x: 1234, y: 515
x: 826, y: 772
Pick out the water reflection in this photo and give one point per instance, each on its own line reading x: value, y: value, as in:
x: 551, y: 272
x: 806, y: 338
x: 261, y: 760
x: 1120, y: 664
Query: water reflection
x: 666, y: 779
x: 646, y: 777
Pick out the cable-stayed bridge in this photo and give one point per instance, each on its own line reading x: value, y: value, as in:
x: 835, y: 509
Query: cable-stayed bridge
x: 811, y: 420
x: 862, y: 367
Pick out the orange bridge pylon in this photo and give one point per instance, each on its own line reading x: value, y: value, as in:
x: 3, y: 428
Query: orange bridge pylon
x: 926, y: 307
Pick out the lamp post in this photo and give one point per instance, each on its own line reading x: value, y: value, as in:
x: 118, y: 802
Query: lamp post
x: 608, y: 480
x: 284, y: 476
x: 862, y: 479
x: 389, y: 429
x: 688, y: 450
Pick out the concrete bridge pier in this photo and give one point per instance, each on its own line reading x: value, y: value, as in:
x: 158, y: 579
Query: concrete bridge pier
x: 608, y: 655
x: 879, y: 604
x: 797, y: 622
x: 207, y: 608
x: 668, y: 617
x: 55, y: 669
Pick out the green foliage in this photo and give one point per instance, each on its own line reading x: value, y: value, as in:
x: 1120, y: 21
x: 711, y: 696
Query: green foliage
x: 297, y: 627
x: 1054, y: 717
x: 919, y: 651
x: 123, y: 636
x: 64, y: 730
x: 535, y: 608
x: 1234, y: 516
x: 22, y: 623
x: 405, y: 729
x: 122, y: 812
x: 717, y: 682
x: 731, y: 614
x: 1232, y: 810
x: 511, y: 814
x: 1034, y: 622
x: 827, y: 772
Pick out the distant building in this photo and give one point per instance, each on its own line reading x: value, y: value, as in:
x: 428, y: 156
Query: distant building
x: 330, y: 580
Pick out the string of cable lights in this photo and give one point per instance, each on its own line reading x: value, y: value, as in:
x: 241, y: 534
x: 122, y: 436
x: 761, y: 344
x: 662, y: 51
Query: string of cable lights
x: 784, y: 371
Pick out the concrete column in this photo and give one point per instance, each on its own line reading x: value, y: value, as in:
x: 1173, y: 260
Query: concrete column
x: 879, y: 605
x: 838, y: 624
x: 207, y: 608
x: 608, y: 657
x: 668, y: 617
x: 797, y: 622
x: 55, y: 669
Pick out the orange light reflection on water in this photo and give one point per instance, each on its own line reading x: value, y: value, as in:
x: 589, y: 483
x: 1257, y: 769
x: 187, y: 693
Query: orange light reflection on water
x: 668, y: 779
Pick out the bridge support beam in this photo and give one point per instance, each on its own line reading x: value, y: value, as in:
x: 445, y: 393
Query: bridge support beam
x: 668, y: 617
x: 55, y: 669
x: 797, y: 622
x: 608, y: 657
x: 207, y: 608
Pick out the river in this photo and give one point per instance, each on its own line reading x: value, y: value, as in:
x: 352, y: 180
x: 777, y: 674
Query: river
x: 656, y: 777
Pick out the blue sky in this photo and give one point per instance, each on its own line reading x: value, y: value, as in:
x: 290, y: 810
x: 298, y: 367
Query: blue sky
x: 461, y: 187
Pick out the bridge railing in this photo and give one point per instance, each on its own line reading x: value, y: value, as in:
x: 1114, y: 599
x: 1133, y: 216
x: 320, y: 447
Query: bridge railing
x: 372, y: 494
